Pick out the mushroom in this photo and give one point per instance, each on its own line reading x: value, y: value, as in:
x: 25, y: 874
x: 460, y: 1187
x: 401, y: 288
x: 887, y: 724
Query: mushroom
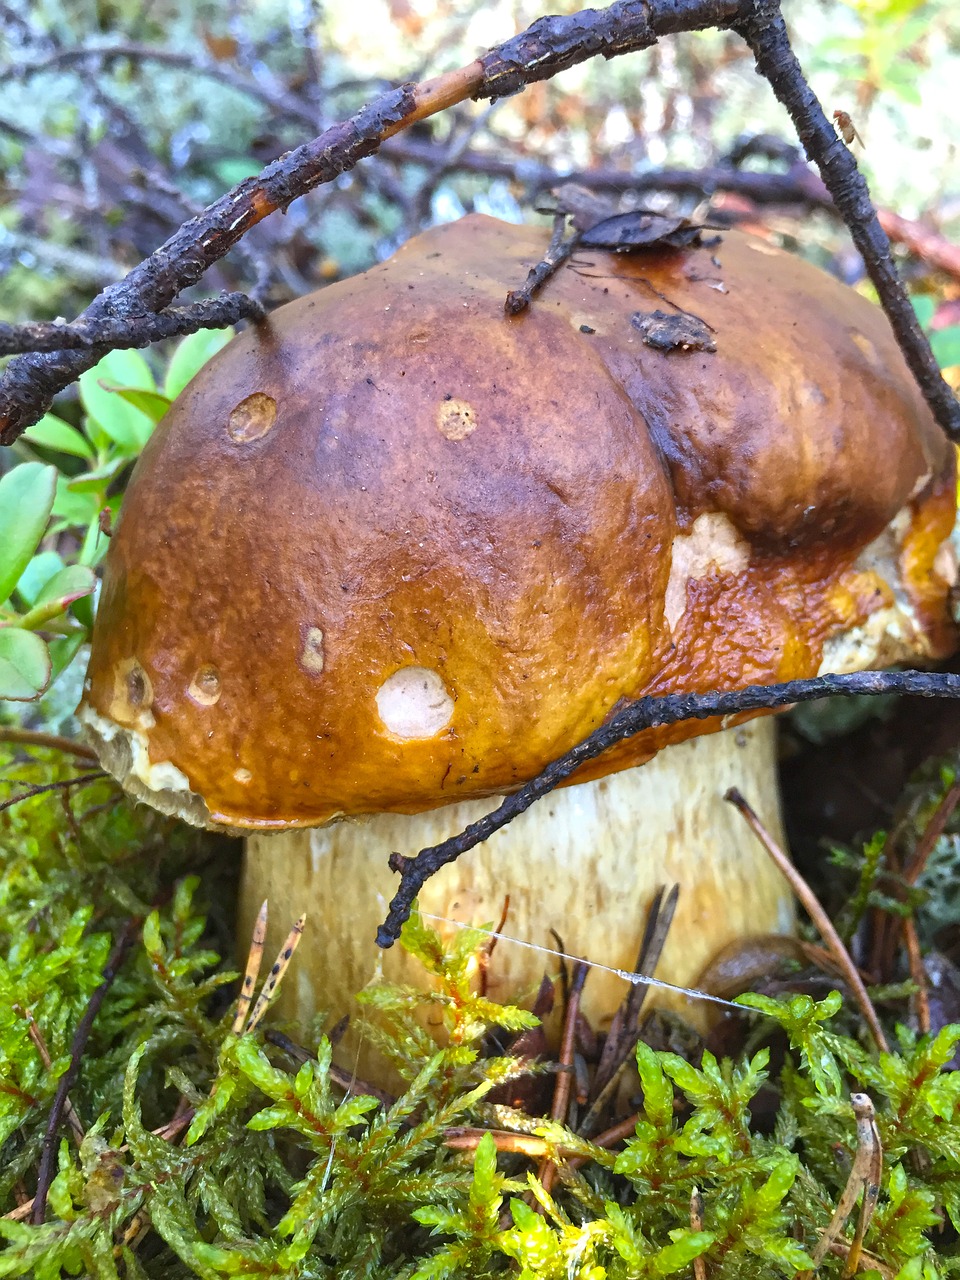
x: 394, y: 550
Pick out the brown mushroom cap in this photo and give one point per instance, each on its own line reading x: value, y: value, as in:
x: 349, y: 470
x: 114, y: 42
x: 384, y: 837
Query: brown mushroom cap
x: 395, y: 548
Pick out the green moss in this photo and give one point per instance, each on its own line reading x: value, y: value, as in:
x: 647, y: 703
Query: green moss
x: 274, y: 1171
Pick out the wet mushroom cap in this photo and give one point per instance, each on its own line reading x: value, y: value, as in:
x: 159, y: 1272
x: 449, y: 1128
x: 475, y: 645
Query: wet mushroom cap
x: 395, y: 548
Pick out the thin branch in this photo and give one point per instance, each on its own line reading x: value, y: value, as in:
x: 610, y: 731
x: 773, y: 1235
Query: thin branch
x: 271, y: 96
x: 564, y: 1083
x: 115, y: 335
x: 30, y: 792
x: 799, y: 185
x: 555, y: 255
x: 817, y: 914
x: 865, y: 1176
x: 68, y: 1079
x: 40, y: 1044
x: 35, y: 738
x: 344, y: 1080
x: 765, y: 32
x: 550, y: 45
x: 645, y: 713
x: 919, y: 976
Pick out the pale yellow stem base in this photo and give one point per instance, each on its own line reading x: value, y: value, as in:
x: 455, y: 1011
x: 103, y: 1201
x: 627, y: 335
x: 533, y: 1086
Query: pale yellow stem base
x: 585, y: 861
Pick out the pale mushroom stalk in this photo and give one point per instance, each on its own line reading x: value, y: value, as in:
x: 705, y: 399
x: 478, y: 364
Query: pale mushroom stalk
x: 584, y: 862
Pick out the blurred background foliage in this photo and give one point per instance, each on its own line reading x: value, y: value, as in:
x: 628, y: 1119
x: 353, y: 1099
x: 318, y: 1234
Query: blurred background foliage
x: 118, y: 118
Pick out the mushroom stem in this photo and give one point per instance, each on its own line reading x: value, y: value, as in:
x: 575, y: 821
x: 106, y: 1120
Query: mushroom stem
x: 586, y: 861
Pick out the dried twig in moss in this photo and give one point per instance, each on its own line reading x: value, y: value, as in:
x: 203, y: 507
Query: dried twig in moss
x: 817, y: 914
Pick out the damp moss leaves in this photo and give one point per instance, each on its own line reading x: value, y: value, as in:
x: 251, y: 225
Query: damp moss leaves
x: 189, y: 1150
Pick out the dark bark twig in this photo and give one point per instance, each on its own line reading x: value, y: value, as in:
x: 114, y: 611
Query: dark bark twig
x: 114, y: 335
x: 645, y: 713
x: 799, y: 185
x: 888, y: 927
x: 557, y: 252
x: 625, y: 1028
x: 765, y: 32
x: 68, y: 1079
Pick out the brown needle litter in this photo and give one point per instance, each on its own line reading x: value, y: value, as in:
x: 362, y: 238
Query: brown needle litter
x: 252, y: 971
x: 275, y: 976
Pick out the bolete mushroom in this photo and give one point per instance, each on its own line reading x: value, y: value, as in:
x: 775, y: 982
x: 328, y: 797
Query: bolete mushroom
x: 394, y: 550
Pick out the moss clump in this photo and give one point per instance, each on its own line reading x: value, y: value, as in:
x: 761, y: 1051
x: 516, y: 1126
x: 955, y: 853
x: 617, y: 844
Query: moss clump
x: 198, y: 1152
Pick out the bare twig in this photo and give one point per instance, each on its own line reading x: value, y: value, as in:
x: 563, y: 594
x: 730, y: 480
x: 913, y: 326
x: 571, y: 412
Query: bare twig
x: 68, y: 1079
x: 932, y: 833
x: 344, y: 1080
x: 921, y: 1001
x: 485, y: 954
x: 557, y: 252
x: 817, y: 914
x: 888, y: 926
x: 625, y: 1027
x: 696, y: 1224
x: 461, y: 1138
x: 271, y: 95
x: 36, y: 1035
x: 39, y: 790
x: 103, y: 335
x: 46, y: 741
x: 564, y: 1083
x: 799, y: 185
x: 645, y: 713
x: 764, y: 30
x: 275, y: 976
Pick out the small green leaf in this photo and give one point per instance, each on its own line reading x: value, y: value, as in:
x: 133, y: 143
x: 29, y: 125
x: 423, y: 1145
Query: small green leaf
x: 24, y: 665
x: 52, y: 432
x: 63, y: 650
x: 64, y: 587
x: 36, y: 575
x: 98, y: 479
x: 191, y: 354
x: 152, y: 403
x: 26, y: 500
x: 126, y: 425
x: 71, y: 508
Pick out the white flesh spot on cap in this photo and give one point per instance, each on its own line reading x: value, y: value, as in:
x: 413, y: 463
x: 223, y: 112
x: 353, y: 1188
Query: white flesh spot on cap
x: 712, y: 546
x: 311, y: 659
x: 414, y: 703
x: 205, y: 686
x: 456, y: 419
x: 252, y: 418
